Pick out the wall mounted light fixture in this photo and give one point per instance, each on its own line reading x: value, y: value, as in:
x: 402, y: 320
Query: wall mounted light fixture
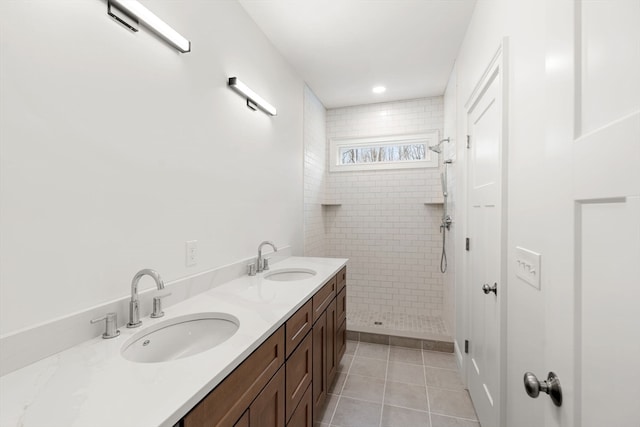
x: 130, y: 12
x: 253, y: 99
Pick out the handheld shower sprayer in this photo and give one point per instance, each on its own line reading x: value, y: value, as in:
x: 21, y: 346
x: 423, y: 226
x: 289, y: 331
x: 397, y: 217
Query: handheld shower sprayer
x: 446, y: 222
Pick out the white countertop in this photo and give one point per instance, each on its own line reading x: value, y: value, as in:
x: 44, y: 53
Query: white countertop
x: 92, y: 385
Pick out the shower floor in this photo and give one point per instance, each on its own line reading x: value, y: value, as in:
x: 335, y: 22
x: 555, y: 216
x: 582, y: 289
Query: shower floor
x: 398, y: 324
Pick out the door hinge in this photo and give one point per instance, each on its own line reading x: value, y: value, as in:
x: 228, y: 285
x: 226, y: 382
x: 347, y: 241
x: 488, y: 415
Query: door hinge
x: 468, y: 141
x: 466, y: 346
x: 466, y: 244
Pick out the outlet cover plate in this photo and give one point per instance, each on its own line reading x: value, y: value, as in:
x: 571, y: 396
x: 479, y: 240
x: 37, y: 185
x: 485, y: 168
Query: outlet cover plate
x: 192, y: 253
x: 528, y: 266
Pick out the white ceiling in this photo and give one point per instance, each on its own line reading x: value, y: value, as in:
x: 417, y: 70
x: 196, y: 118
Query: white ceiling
x: 343, y: 48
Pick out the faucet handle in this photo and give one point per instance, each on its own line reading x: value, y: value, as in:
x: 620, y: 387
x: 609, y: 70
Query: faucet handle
x: 252, y: 269
x: 265, y: 264
x: 157, y: 305
x: 111, y: 325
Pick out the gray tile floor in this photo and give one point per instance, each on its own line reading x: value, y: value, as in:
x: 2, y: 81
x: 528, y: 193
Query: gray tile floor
x: 383, y: 386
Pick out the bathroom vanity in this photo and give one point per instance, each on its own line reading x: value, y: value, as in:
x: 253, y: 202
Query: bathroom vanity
x: 274, y: 370
x: 286, y: 380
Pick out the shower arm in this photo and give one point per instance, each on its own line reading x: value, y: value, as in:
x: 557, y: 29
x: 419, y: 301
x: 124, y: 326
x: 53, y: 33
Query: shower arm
x: 436, y: 148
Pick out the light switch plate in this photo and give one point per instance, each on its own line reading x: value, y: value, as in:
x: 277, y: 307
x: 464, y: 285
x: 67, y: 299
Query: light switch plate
x: 528, y: 266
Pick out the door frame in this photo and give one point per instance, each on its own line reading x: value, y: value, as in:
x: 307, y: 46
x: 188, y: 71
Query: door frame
x: 498, y: 64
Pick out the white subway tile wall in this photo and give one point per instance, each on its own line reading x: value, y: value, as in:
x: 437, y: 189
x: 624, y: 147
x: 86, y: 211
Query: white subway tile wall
x: 383, y: 226
x: 449, y: 153
x: 314, y: 173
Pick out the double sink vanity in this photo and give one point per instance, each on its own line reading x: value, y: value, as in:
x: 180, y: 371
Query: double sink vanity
x: 259, y: 350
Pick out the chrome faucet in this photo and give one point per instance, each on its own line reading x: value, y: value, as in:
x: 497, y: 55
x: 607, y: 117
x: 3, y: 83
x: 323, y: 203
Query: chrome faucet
x: 263, y: 264
x: 134, y: 309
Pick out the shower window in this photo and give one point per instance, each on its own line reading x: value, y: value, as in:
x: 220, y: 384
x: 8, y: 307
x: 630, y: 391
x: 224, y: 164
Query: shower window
x: 383, y: 152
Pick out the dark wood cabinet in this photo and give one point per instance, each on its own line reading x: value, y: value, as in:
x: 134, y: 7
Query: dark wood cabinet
x: 303, y: 415
x: 341, y: 341
x: 297, y: 327
x: 323, y: 298
x: 332, y: 354
x: 341, y: 279
x: 319, y: 363
x: 230, y: 399
x: 299, y: 372
x: 268, y: 409
x: 286, y: 380
x: 244, y: 421
x: 341, y: 305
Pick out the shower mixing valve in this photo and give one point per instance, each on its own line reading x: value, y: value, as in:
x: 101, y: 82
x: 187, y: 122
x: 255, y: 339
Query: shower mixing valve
x: 446, y: 222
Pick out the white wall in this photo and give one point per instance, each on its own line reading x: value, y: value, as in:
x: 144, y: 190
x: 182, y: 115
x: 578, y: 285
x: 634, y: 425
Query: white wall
x: 315, y: 170
x: 383, y: 226
x: 531, y: 187
x: 115, y: 150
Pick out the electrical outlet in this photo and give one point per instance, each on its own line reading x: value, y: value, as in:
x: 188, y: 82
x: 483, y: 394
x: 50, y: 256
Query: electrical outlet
x: 528, y: 266
x: 192, y: 253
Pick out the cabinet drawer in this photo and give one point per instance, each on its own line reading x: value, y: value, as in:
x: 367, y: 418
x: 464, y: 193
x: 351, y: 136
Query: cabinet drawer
x: 341, y: 301
x: 297, y: 327
x: 323, y: 298
x: 229, y: 400
x: 299, y: 373
x: 303, y: 415
x: 342, y: 278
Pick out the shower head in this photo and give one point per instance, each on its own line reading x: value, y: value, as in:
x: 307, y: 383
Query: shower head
x: 436, y: 148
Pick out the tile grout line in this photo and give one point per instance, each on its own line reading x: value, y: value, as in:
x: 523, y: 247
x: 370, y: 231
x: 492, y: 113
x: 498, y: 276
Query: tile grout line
x: 333, y: 414
x: 426, y: 387
x: 457, y: 418
x: 384, y: 388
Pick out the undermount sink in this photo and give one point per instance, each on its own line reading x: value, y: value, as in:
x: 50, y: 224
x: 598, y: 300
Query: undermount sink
x: 290, y: 274
x: 180, y: 337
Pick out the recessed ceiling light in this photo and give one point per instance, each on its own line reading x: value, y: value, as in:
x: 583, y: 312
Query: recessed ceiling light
x: 379, y: 89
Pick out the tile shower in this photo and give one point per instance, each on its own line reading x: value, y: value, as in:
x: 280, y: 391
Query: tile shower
x: 385, y: 221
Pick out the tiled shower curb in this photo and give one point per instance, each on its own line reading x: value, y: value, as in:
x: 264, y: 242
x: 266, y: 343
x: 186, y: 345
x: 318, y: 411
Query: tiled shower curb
x: 425, y: 344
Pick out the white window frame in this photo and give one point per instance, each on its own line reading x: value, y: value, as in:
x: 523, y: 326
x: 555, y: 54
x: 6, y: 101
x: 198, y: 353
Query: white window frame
x: 430, y: 137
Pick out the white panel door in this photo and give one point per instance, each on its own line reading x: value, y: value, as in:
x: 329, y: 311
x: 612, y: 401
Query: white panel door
x: 592, y: 322
x: 485, y: 285
x: 606, y: 190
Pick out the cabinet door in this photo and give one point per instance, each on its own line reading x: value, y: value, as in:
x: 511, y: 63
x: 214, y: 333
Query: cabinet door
x: 244, y: 421
x: 299, y: 372
x: 319, y: 363
x: 341, y: 341
x: 341, y: 279
x: 341, y: 301
x: 231, y: 398
x: 302, y: 416
x: 268, y: 408
x: 332, y: 354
